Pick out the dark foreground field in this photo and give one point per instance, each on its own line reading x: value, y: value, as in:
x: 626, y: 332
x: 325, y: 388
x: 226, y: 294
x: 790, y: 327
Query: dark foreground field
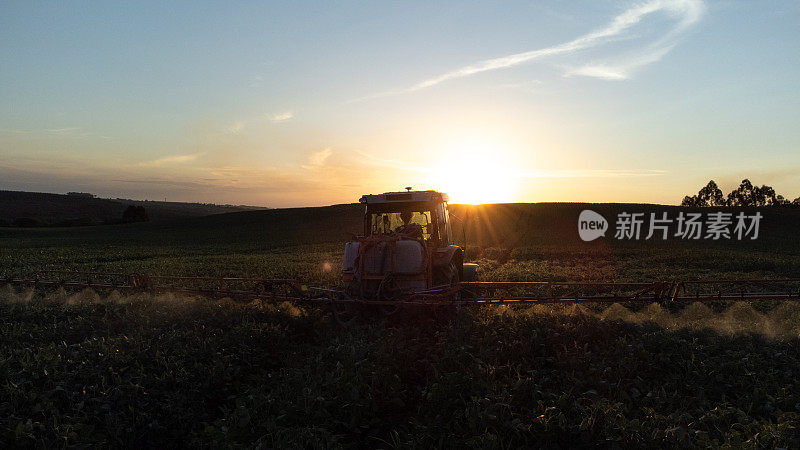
x: 109, y: 369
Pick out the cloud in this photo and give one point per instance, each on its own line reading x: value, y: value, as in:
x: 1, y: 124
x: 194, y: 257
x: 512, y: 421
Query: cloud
x: 318, y: 159
x: 689, y: 12
x: 63, y: 130
x: 56, y: 133
x: 552, y: 173
x: 16, y: 131
x: 391, y: 163
x: 281, y: 117
x: 257, y: 81
x: 601, y: 71
x: 593, y: 173
x: 622, y: 68
x: 235, y: 128
x: 239, y: 185
x: 170, y: 160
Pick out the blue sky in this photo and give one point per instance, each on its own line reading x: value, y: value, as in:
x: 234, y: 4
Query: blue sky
x: 311, y: 103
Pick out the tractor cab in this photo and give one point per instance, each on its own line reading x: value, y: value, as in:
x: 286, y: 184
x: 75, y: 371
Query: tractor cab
x: 407, y: 247
x: 421, y: 214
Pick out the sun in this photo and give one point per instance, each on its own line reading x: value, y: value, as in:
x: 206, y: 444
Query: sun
x: 476, y: 173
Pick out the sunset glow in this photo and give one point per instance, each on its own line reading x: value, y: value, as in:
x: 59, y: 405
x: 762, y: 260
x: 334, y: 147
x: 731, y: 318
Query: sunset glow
x: 629, y: 101
x: 476, y: 172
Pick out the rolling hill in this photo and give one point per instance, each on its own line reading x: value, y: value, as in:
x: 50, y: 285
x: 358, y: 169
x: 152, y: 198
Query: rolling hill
x: 58, y: 209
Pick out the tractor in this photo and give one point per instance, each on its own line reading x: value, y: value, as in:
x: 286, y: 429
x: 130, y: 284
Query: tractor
x: 407, y: 248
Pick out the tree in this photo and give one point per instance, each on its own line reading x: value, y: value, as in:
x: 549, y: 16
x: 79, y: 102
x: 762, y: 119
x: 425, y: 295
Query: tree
x: 780, y: 201
x: 710, y: 195
x: 689, y: 201
x: 766, y: 196
x: 745, y: 195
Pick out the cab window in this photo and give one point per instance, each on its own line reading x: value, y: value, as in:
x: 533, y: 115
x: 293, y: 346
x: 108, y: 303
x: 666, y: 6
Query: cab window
x: 389, y: 222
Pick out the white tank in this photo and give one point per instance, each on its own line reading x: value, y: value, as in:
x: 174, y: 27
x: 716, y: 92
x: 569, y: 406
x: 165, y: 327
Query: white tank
x: 350, y: 255
x: 409, y: 257
x: 374, y: 263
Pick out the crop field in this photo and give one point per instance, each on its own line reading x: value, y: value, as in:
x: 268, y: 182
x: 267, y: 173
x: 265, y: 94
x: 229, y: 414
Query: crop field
x: 110, y: 369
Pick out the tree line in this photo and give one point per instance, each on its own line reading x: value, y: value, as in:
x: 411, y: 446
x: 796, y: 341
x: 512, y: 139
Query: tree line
x: 745, y: 195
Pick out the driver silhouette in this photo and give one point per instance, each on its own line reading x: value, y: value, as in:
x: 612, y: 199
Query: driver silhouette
x: 409, y: 228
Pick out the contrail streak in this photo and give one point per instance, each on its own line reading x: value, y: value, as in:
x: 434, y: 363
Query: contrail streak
x: 689, y: 10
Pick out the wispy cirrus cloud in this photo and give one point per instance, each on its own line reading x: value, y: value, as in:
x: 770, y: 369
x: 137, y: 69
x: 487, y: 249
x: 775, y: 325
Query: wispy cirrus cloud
x: 594, y: 173
x: 318, y: 159
x: 235, y: 128
x: 280, y: 117
x: 257, y: 81
x: 171, y: 160
x: 621, y: 68
x: 688, y: 12
x: 62, y: 130
x: 546, y: 173
x: 238, y: 126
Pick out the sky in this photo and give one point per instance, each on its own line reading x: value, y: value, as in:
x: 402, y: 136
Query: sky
x: 286, y: 104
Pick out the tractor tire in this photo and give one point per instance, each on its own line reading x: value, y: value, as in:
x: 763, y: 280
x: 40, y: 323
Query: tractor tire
x: 453, y: 279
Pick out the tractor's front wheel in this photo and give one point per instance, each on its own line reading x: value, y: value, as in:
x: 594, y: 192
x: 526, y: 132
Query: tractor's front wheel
x: 454, y: 281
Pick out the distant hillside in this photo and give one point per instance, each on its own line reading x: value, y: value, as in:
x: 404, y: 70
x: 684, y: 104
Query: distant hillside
x: 511, y: 226
x: 57, y: 209
x: 518, y: 225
